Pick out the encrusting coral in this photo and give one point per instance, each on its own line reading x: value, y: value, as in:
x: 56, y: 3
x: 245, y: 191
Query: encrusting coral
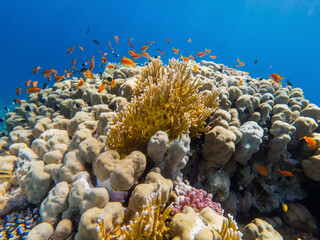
x: 165, y: 98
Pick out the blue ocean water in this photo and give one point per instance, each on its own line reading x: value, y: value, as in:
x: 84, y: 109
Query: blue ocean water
x: 282, y: 34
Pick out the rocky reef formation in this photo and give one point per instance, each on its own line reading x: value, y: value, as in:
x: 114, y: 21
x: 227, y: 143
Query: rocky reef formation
x: 156, y: 157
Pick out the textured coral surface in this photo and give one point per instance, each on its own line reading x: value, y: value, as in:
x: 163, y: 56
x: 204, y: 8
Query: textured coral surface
x: 163, y: 152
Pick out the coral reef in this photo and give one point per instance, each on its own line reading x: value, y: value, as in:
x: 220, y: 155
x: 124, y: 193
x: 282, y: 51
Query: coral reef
x: 120, y: 173
x: 19, y: 224
x: 141, y: 192
x: 299, y: 217
x: 97, y: 223
x: 170, y: 158
x: 137, y: 160
x: 259, y: 229
x: 165, y: 98
x: 198, y: 199
x: 207, y: 224
x: 83, y: 195
x: 55, y: 203
x: 149, y: 223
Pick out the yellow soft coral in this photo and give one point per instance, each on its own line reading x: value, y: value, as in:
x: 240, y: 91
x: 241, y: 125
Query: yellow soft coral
x: 149, y: 224
x: 229, y: 230
x: 167, y: 99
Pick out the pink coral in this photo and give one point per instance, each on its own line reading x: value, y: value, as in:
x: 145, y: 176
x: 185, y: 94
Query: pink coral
x: 198, y: 199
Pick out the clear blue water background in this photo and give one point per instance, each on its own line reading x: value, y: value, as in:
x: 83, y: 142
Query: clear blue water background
x: 284, y: 34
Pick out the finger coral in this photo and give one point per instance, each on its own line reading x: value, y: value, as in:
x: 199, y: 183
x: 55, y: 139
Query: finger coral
x: 198, y: 199
x: 165, y: 98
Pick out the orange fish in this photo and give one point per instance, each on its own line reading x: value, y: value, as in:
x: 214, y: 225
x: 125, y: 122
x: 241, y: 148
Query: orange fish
x: 18, y: 91
x: 167, y: 40
x: 144, y: 48
x: 74, y: 68
x: 276, y: 77
x: 110, y: 66
x: 131, y: 53
x: 70, y: 50
x: 130, y: 39
x: 127, y: 61
x: 36, y: 69
x: 102, y: 87
x: 191, y: 57
x: 207, y: 50
x: 195, y: 68
x: 99, y: 51
x: 146, y: 55
x: 201, y: 54
x: 189, y: 40
x: 176, y: 51
x: 34, y: 84
x: 135, y: 55
x: 109, y: 43
x: 66, y: 70
x: 33, y: 90
x: 87, y: 62
x: 112, y: 84
x: 73, y: 62
x: 262, y: 170
x: 241, y: 64
x: 285, y: 173
x: 104, y: 60
x: 47, y: 72
x: 80, y: 83
x: 105, y: 54
x: 185, y: 59
x: 151, y: 42
x: 18, y: 101
x: 117, y: 39
x: 89, y: 74
x: 81, y: 48
x: 49, y: 78
x: 54, y: 72
x: 213, y: 57
x: 59, y: 78
x: 69, y: 74
x: 91, y: 66
x: 131, y: 45
x: 161, y: 53
x: 312, y: 143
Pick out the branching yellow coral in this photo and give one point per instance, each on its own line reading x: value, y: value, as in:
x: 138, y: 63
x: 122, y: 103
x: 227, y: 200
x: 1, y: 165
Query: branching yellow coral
x: 149, y: 224
x: 167, y: 99
x: 230, y: 230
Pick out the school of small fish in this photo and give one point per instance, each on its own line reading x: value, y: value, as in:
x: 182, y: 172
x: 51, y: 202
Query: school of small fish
x: 51, y: 73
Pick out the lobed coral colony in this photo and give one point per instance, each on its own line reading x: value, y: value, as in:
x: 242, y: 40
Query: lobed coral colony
x: 180, y: 151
